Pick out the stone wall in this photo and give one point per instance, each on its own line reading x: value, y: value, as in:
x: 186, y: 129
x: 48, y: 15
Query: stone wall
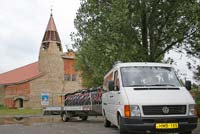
x: 41, y: 85
x: 72, y: 86
x: 51, y: 63
x: 55, y: 88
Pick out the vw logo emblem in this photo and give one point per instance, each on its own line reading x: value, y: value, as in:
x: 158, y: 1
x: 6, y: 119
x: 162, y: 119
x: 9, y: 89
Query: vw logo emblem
x: 165, y: 110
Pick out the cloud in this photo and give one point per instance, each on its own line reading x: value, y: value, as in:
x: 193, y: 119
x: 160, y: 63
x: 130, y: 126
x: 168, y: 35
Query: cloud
x: 23, y: 23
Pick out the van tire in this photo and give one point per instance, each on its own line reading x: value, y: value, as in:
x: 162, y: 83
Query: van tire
x: 83, y: 118
x: 187, y: 132
x: 122, y: 129
x: 107, y: 123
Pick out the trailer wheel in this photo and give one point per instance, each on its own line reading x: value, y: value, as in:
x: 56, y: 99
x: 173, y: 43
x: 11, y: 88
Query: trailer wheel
x: 65, y: 117
x: 83, y: 118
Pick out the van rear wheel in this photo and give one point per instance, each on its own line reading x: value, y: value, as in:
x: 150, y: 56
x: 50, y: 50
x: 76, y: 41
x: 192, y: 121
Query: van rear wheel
x: 122, y: 129
x: 83, y: 118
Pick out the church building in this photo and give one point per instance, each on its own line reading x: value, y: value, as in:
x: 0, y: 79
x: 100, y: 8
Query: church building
x: 49, y: 78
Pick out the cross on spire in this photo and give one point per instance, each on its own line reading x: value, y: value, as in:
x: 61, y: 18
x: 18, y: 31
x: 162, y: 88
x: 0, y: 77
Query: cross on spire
x: 51, y: 10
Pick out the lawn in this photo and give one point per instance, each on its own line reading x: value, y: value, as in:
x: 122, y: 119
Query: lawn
x: 5, y: 111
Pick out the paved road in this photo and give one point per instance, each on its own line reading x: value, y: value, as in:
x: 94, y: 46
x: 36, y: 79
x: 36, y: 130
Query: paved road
x: 55, y: 126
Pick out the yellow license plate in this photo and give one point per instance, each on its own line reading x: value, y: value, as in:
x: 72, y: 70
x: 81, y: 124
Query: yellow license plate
x: 166, y: 125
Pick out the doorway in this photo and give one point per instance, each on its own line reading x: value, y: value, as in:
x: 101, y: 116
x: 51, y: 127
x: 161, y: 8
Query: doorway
x: 19, y: 103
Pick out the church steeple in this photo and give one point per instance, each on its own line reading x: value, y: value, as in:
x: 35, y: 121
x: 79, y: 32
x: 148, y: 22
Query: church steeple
x: 50, y: 60
x: 51, y: 35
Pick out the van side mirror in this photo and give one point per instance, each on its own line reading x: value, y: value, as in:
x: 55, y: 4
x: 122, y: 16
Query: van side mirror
x: 110, y: 85
x: 188, y: 85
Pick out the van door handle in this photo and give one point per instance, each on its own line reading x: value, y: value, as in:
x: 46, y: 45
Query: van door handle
x: 111, y: 96
x: 105, y: 103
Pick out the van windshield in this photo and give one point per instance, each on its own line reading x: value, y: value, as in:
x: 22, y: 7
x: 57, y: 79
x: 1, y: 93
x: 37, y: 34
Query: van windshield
x: 148, y: 76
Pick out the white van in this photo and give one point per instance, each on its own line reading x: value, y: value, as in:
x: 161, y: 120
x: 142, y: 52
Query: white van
x: 147, y: 97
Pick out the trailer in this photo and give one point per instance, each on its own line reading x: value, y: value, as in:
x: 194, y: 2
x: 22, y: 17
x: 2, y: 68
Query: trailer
x: 80, y: 111
x: 82, y: 103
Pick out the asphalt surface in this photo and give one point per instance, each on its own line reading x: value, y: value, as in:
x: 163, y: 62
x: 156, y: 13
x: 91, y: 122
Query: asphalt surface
x: 52, y: 125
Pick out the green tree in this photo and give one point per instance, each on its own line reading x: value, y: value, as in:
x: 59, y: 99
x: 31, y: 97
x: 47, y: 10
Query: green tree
x: 130, y: 30
x: 197, y: 73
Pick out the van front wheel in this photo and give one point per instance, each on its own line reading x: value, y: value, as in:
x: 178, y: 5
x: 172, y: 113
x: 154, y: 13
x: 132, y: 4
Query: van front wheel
x: 122, y: 129
x: 188, y: 132
x: 106, y: 122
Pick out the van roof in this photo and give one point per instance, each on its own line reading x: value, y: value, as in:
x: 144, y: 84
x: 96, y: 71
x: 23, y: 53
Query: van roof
x: 154, y: 64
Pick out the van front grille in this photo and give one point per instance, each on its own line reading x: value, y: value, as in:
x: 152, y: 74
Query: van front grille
x: 164, y: 110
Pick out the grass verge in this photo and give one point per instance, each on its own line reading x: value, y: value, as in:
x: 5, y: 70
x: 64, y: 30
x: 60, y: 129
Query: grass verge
x: 6, y: 111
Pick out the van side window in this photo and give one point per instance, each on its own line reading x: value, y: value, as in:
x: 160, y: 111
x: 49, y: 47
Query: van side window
x: 116, y: 81
x: 108, y: 78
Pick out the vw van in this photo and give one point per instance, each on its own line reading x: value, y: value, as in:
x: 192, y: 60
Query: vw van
x: 147, y: 98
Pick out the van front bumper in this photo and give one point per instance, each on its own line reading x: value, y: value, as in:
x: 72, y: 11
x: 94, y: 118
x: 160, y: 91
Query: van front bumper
x: 149, y: 124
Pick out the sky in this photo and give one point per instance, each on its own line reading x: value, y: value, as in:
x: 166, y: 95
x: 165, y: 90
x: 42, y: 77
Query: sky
x: 23, y: 23
x: 22, y: 26
x: 180, y: 65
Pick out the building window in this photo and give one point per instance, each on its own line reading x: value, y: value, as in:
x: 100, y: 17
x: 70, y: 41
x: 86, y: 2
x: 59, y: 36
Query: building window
x: 67, y: 77
x: 70, y: 77
x: 59, y: 47
x: 45, y: 46
x: 74, y: 77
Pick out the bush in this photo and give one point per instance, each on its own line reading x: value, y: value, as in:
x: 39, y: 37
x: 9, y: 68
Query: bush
x: 2, y: 106
x: 197, y: 99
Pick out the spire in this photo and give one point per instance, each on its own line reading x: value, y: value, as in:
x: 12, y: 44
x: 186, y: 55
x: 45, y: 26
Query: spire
x: 51, y: 33
x: 51, y: 25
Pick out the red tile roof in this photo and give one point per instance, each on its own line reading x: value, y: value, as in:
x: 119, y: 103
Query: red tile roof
x: 21, y: 74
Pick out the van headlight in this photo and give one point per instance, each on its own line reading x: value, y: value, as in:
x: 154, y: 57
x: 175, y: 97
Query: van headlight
x: 132, y: 111
x: 192, y: 110
x: 135, y: 111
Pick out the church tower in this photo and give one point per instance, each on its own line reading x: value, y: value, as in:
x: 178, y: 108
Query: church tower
x: 51, y: 67
x: 50, y: 61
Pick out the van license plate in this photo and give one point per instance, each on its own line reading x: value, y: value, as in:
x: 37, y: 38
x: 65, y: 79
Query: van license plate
x: 166, y: 125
